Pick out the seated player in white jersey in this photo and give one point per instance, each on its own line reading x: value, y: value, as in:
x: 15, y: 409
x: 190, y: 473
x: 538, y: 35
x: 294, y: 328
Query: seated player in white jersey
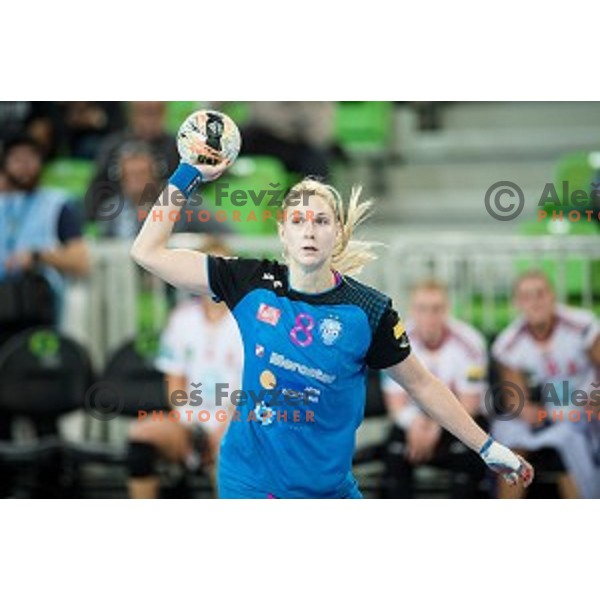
x: 310, y: 331
x: 200, y: 349
x: 550, y: 349
x: 456, y: 353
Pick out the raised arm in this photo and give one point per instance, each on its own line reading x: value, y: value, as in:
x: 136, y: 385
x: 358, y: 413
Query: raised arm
x: 181, y: 268
x: 442, y: 405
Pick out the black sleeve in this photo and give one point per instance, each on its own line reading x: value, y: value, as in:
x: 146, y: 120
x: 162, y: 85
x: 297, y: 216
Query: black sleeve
x: 390, y: 344
x: 230, y: 279
x: 69, y: 224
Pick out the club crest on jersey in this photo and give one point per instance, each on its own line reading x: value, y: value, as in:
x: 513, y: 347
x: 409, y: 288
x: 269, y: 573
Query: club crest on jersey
x: 330, y: 330
x: 268, y: 314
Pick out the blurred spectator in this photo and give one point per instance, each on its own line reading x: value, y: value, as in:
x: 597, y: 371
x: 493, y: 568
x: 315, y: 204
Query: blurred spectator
x: 39, y: 230
x: 117, y: 216
x: 300, y: 134
x: 146, y: 123
x: 548, y: 353
x: 40, y: 244
x: 121, y: 214
x: 456, y: 353
x: 87, y: 124
x: 201, y: 345
x: 39, y: 120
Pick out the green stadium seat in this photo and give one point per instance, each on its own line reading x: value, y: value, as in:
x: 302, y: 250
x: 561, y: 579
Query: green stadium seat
x: 73, y: 175
x: 503, y: 314
x: 238, y: 111
x: 151, y: 317
x: 178, y: 112
x: 565, y: 227
x: 249, y: 174
x: 577, y: 171
x: 364, y: 127
x: 575, y: 268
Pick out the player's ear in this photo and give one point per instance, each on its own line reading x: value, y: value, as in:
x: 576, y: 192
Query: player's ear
x: 338, y: 229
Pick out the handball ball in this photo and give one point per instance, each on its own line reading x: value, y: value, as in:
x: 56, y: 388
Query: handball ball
x: 207, y: 137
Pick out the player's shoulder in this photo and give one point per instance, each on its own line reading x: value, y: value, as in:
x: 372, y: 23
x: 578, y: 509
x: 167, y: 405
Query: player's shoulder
x: 372, y: 301
x: 232, y: 278
x: 578, y: 319
x: 250, y: 267
x: 510, y: 336
x: 467, y: 336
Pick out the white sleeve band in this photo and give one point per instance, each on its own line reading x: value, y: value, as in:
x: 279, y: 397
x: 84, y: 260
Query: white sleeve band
x: 499, y: 456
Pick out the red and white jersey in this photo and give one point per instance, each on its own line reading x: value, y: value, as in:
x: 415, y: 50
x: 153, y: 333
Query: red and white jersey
x: 562, y: 356
x: 459, y: 360
x: 207, y: 353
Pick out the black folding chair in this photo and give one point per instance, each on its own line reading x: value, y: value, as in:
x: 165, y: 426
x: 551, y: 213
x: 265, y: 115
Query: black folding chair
x: 43, y: 375
x: 129, y: 384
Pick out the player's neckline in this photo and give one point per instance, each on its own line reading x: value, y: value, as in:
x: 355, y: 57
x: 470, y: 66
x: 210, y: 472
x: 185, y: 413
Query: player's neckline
x: 338, y: 282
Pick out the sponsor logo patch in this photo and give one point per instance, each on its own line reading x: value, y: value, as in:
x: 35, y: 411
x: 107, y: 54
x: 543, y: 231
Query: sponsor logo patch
x: 289, y: 365
x: 268, y: 314
x: 398, y: 330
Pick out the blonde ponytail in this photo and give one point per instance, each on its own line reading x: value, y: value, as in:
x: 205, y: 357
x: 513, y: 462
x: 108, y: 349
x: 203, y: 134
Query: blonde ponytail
x: 349, y: 256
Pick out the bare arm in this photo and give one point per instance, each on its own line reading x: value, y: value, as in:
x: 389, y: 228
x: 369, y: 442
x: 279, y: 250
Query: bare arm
x: 396, y: 402
x: 471, y: 402
x: 181, y: 268
x: 438, y: 401
x: 72, y: 258
x: 445, y: 408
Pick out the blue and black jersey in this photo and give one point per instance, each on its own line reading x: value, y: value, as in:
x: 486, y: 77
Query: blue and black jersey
x: 304, y: 381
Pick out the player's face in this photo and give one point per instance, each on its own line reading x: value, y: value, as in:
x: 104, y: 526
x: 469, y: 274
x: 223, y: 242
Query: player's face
x: 309, y: 232
x: 535, y: 300
x: 429, y: 312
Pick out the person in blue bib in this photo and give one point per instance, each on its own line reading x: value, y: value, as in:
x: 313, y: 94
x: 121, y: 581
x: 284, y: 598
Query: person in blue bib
x: 310, y: 332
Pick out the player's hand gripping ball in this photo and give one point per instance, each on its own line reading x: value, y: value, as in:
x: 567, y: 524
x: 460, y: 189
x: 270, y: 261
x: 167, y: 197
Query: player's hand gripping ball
x: 208, y: 137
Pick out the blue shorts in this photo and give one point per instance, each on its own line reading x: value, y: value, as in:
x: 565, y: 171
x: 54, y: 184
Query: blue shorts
x: 236, y: 490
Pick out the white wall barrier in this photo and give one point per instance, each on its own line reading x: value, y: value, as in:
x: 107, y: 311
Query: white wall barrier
x: 479, y: 270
